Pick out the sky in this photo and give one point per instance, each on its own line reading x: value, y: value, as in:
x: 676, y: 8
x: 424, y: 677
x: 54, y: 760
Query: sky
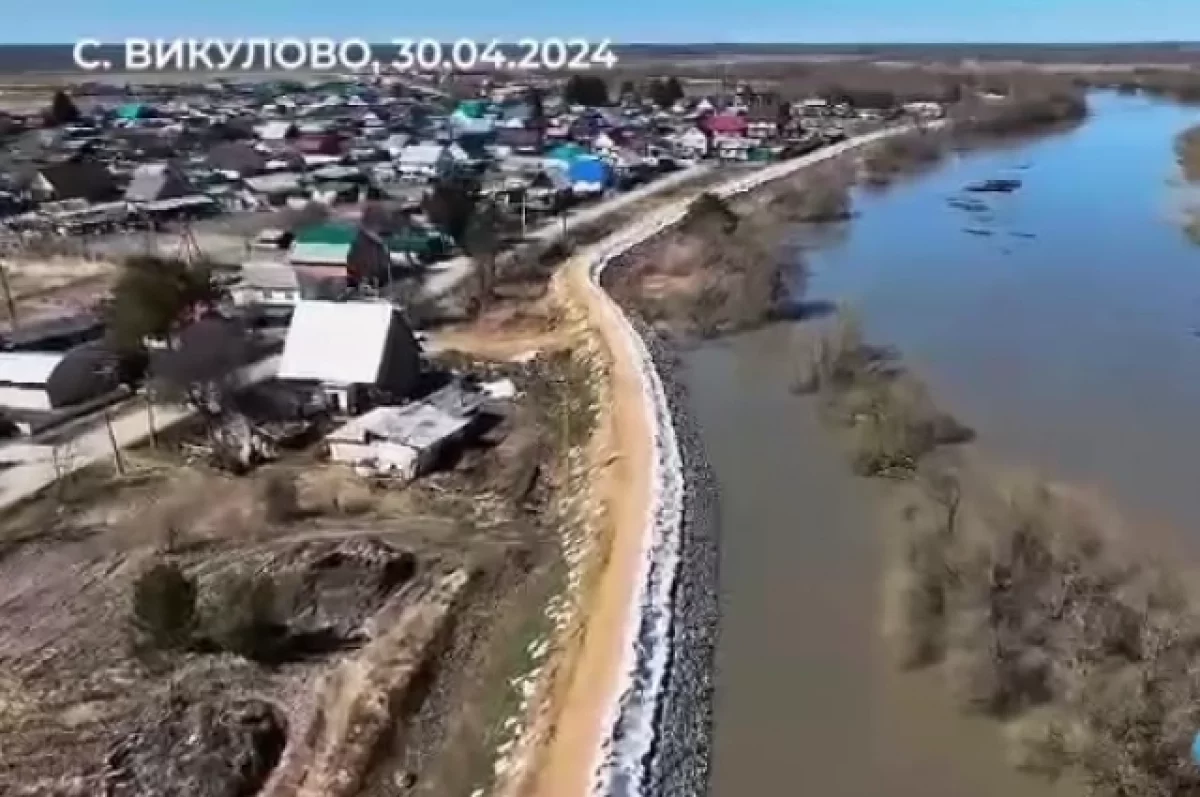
x: 621, y: 21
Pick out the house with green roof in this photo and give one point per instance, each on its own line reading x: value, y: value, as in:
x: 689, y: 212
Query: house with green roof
x: 340, y: 254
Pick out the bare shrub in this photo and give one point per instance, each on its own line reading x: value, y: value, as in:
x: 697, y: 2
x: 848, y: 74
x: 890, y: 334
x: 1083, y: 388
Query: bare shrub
x: 822, y: 196
x: 1187, y: 152
x: 902, y: 154
x: 1044, y: 742
x: 164, y: 607
x: 280, y: 498
x: 244, y: 616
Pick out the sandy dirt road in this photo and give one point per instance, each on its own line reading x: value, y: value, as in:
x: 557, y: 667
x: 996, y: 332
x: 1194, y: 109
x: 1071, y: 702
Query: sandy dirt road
x: 623, y: 442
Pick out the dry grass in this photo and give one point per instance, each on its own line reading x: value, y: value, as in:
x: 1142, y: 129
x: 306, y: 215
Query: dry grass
x: 718, y: 271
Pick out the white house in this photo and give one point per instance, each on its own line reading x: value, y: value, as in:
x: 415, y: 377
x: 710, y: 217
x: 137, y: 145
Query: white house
x: 267, y: 284
x: 424, y: 161
x: 692, y: 143
x: 356, y: 351
x: 402, y: 441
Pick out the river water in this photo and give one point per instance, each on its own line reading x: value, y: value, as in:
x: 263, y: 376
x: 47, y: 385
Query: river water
x: 1067, y: 337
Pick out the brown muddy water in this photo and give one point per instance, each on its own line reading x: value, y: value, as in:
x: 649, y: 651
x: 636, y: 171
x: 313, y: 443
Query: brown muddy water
x: 1067, y: 336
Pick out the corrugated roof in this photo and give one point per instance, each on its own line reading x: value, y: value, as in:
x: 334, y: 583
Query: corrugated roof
x: 329, y: 233
x: 418, y: 426
x: 421, y: 154
x: 317, y: 252
x: 339, y: 342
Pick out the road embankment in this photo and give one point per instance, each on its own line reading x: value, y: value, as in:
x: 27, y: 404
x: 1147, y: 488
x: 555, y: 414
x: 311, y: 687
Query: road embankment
x: 638, y: 657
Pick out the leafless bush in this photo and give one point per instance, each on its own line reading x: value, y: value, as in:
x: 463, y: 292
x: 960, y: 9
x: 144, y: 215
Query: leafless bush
x: 279, y: 498
x: 822, y: 196
x: 1187, y: 151
x: 902, y: 154
x: 164, y: 606
x: 1035, y: 615
x: 1023, y: 112
x: 243, y: 616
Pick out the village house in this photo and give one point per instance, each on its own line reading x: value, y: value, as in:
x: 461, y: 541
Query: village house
x: 733, y: 148
x: 337, y: 254
x: 153, y: 182
x: 267, y: 285
x: 80, y: 178
x: 427, y: 161
x: 277, y: 188
x: 359, y: 354
x: 406, y: 441
x: 692, y: 143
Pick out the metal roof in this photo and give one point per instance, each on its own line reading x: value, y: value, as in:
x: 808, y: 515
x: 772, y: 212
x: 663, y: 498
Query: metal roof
x: 338, y: 342
x: 28, y: 368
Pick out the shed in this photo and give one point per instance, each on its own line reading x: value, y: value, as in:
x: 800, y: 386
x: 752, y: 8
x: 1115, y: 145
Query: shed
x: 404, y: 441
x: 352, y: 349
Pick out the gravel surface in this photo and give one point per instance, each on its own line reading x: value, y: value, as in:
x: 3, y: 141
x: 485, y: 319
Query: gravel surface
x: 679, y: 761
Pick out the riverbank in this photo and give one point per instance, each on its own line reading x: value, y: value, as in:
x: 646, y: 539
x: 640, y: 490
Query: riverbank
x: 618, y: 662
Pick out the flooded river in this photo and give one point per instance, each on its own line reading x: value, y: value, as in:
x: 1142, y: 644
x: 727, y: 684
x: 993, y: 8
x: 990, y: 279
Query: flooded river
x: 1061, y: 322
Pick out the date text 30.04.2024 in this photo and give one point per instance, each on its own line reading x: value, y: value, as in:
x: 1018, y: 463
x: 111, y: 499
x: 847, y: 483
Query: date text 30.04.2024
x: 410, y: 55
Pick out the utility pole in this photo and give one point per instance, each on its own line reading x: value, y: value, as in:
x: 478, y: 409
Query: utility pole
x: 9, y: 301
x: 7, y: 245
x: 118, y: 458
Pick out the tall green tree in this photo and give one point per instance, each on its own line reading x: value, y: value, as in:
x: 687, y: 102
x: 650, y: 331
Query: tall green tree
x: 665, y: 93
x: 483, y: 241
x: 589, y: 90
x: 62, y: 110
x: 450, y: 206
x: 154, y: 296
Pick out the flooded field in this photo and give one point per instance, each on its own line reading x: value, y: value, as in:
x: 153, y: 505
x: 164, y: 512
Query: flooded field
x: 1060, y: 321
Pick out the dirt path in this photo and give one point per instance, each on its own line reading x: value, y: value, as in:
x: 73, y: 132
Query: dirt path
x: 623, y: 442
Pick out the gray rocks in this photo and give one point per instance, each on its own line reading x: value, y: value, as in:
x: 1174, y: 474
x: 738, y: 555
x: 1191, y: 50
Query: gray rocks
x: 679, y: 760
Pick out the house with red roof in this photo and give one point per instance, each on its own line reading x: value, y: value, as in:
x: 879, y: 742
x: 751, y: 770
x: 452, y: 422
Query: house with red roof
x: 725, y: 124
